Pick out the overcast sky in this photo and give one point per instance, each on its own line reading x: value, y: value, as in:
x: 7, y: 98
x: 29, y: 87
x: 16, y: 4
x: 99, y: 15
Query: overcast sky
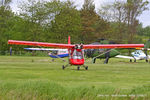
x: 144, y: 18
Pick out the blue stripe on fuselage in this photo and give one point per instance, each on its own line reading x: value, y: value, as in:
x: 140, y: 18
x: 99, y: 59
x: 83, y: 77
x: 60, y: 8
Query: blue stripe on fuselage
x: 59, y: 56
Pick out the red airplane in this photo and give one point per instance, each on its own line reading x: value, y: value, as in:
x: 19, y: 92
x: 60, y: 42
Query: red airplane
x: 76, y: 51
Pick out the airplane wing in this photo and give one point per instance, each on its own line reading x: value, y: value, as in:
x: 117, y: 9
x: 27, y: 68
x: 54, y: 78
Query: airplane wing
x: 127, y: 57
x: 143, y: 49
x: 112, y: 46
x: 57, y: 45
x: 43, y: 44
x: 45, y: 49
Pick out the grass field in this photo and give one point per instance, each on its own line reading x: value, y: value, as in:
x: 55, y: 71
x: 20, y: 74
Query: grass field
x: 38, y: 78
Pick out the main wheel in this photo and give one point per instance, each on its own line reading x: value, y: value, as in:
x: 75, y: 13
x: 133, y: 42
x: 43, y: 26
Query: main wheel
x: 78, y: 68
x: 63, y: 67
x: 86, y: 68
x: 130, y: 60
x: 146, y: 60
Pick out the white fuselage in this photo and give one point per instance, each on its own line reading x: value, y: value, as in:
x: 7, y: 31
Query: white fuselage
x: 139, y: 54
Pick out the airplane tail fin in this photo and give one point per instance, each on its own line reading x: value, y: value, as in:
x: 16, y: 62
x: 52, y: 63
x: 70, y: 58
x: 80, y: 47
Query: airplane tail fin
x: 69, y: 41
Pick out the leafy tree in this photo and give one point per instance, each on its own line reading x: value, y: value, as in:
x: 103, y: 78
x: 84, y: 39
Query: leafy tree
x: 115, y: 14
x: 34, y: 15
x: 88, y: 19
x: 93, y: 26
x: 5, y: 3
x: 124, y: 15
x: 134, y: 8
x: 144, y: 31
x: 67, y: 22
x: 6, y: 16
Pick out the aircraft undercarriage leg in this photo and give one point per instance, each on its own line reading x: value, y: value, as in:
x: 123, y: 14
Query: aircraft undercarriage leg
x: 63, y: 67
x: 106, y: 60
x: 134, y: 60
x: 78, y: 68
x: 93, y: 60
x: 146, y: 58
x: 146, y: 55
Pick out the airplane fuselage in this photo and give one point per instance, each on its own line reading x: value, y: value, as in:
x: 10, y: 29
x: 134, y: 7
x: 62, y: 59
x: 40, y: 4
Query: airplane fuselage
x: 139, y: 54
x: 76, y: 56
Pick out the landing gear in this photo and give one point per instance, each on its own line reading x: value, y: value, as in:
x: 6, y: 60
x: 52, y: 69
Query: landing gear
x: 78, y: 68
x: 106, y: 60
x: 86, y: 68
x: 130, y: 60
x: 135, y: 60
x: 93, y: 60
x: 146, y: 60
x: 63, y: 67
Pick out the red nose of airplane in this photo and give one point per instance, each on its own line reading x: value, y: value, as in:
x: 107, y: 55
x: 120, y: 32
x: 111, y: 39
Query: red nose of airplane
x: 77, y: 61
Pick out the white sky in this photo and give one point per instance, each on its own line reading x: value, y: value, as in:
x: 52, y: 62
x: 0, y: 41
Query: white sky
x: 144, y: 18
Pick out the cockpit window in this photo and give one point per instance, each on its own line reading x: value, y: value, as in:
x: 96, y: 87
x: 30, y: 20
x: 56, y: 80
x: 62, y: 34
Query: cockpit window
x: 77, y: 55
x: 139, y: 52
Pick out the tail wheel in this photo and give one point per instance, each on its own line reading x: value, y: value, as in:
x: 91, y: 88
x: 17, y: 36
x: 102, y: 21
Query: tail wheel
x: 63, y: 67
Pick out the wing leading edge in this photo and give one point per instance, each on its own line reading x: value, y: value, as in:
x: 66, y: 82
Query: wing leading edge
x: 67, y: 46
x: 43, y: 44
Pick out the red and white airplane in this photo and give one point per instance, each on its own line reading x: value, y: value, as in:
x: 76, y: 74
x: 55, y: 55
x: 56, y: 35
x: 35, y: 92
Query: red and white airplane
x: 76, y: 51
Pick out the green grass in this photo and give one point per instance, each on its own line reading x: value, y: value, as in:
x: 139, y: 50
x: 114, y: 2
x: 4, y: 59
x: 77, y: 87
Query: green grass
x: 38, y: 78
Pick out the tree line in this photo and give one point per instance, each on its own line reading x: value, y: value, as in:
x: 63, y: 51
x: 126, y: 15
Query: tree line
x: 52, y: 21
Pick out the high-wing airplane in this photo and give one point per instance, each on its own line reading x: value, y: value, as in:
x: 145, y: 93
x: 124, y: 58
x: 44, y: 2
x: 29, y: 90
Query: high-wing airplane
x: 54, y: 53
x: 137, y: 55
x: 76, y: 51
